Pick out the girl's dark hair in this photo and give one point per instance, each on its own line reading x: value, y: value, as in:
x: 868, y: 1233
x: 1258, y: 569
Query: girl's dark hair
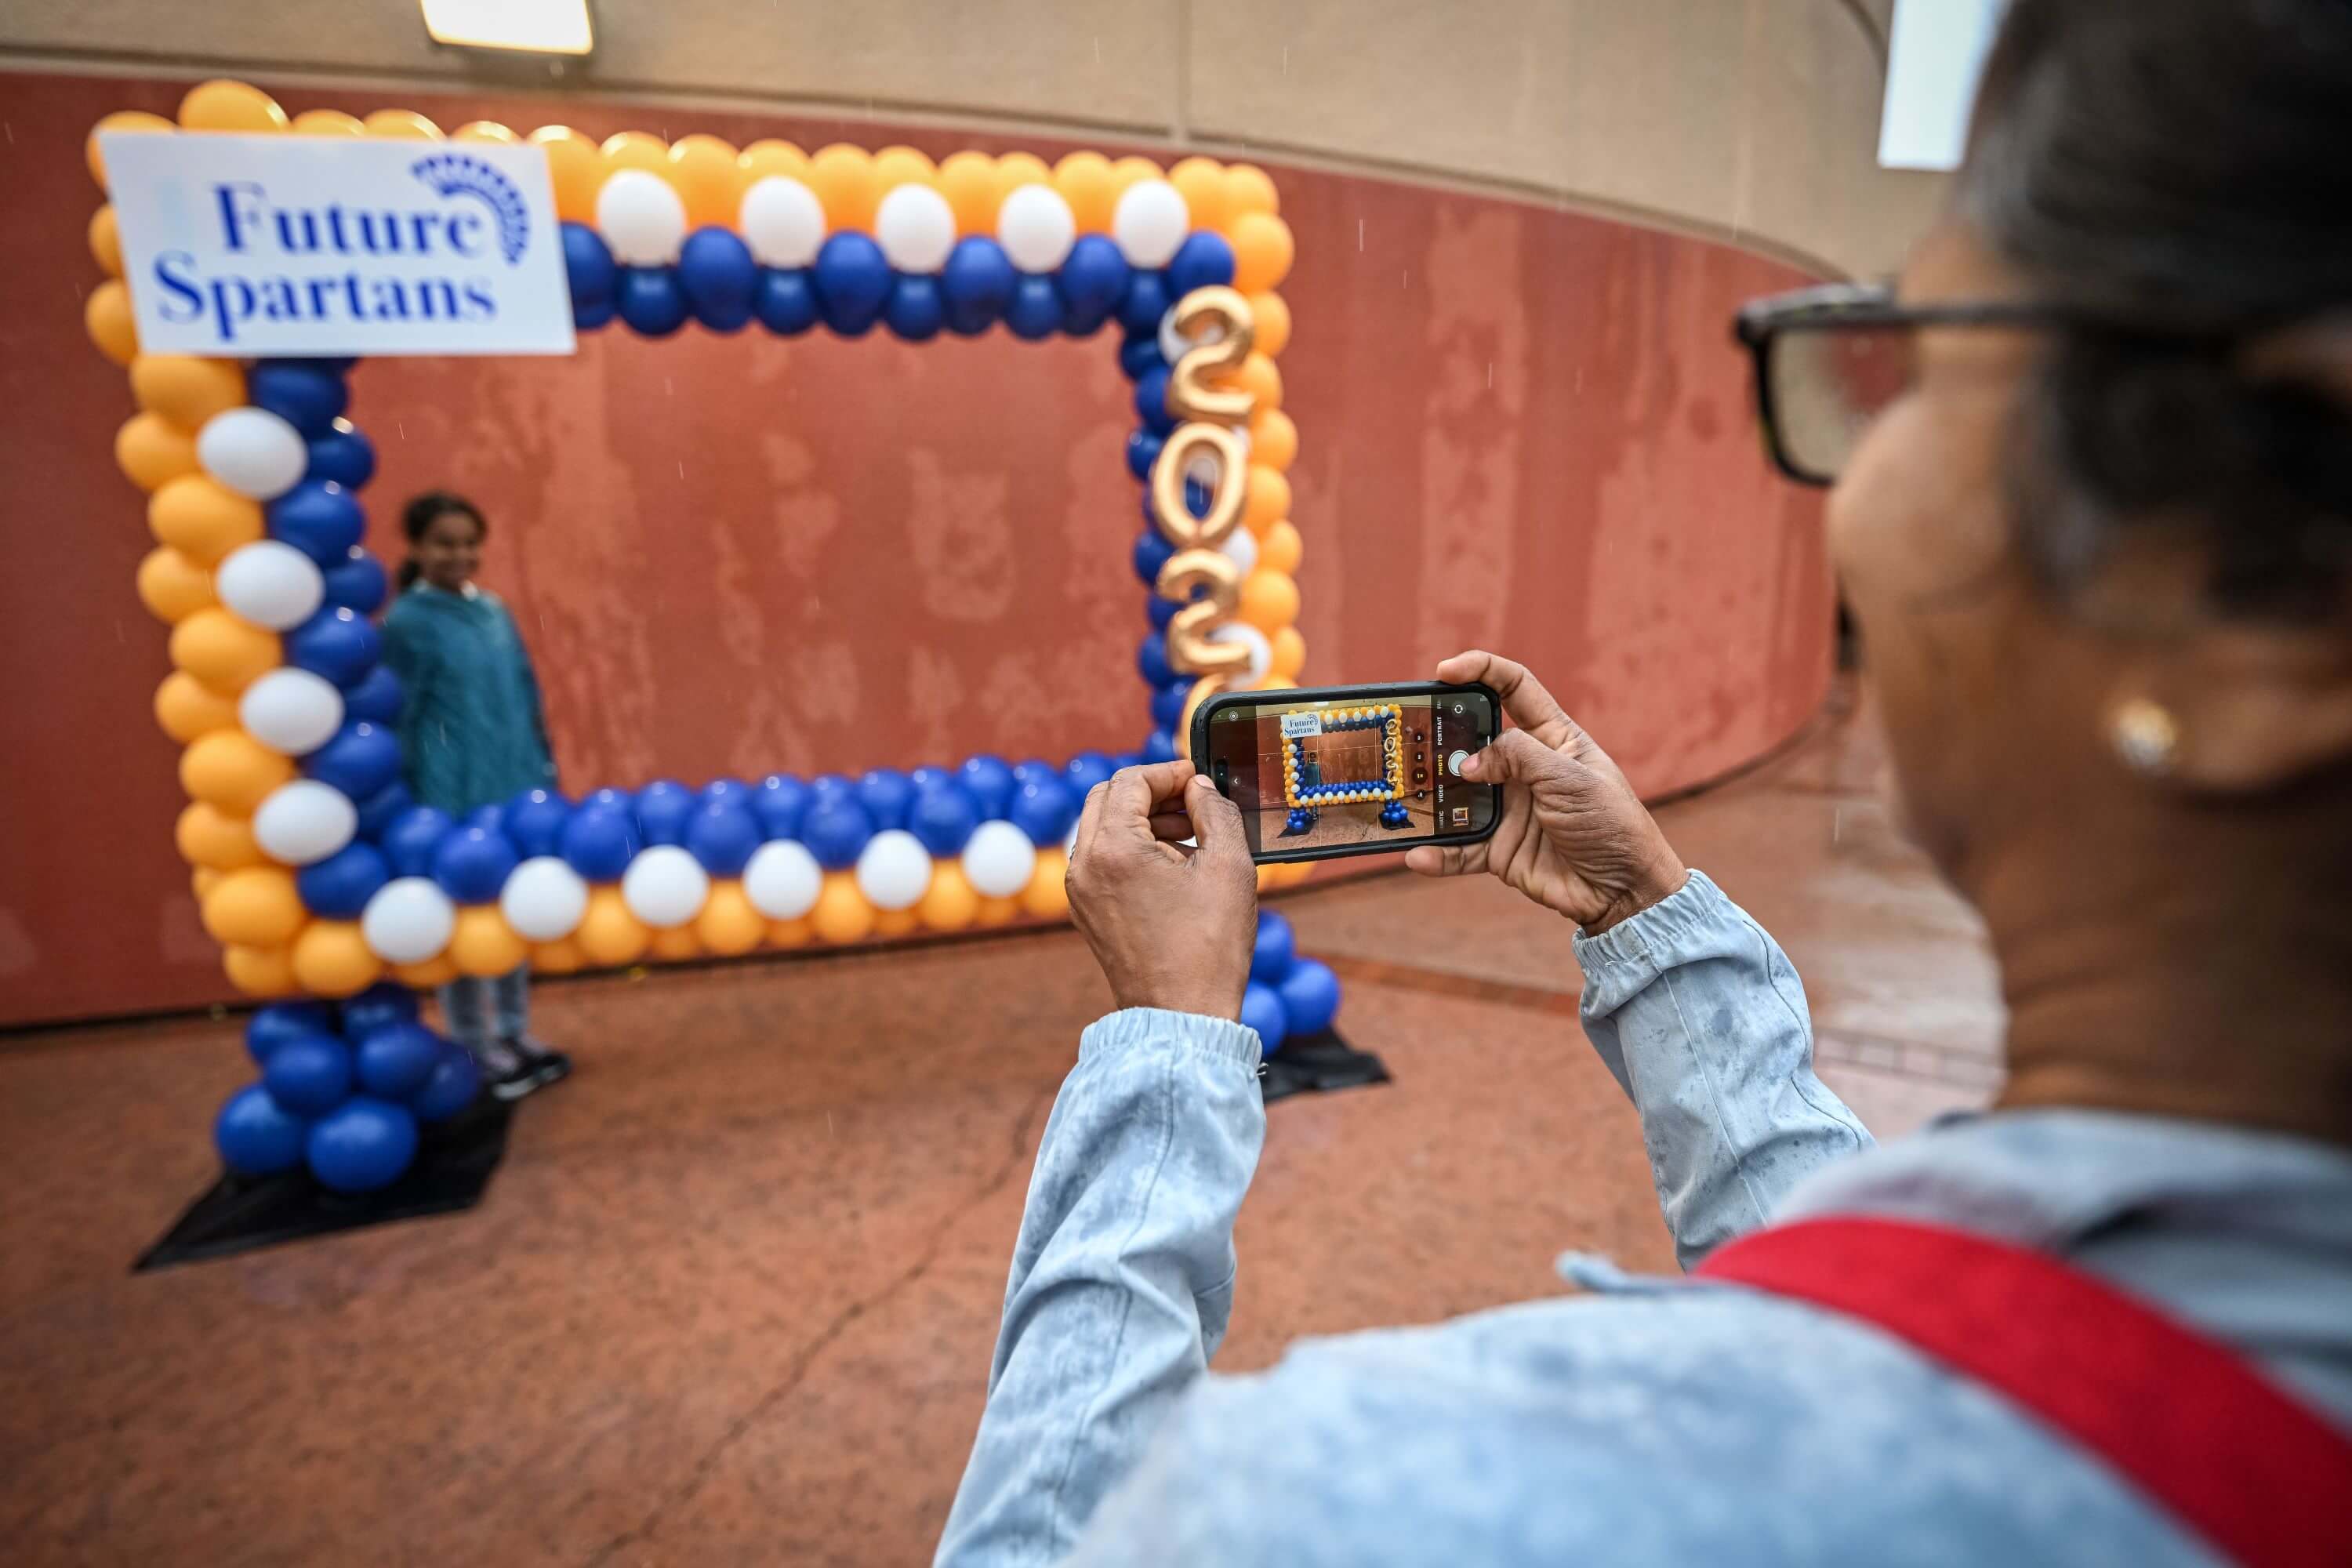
x: 2184, y: 168
x: 418, y: 515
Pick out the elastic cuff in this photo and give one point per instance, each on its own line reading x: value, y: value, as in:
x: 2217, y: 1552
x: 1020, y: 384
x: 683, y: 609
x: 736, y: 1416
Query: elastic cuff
x: 1139, y: 1029
x: 1659, y: 928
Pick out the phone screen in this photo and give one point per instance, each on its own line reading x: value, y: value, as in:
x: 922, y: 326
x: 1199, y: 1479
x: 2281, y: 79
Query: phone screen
x: 1361, y: 770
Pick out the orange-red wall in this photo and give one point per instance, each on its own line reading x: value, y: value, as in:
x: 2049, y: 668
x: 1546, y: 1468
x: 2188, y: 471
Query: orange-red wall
x: 1520, y: 428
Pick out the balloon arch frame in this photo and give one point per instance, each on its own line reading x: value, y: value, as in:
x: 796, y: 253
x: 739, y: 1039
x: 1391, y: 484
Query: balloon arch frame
x: 327, y: 884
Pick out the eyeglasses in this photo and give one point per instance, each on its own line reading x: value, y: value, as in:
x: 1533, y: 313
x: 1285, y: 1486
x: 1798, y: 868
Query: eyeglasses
x: 1830, y: 359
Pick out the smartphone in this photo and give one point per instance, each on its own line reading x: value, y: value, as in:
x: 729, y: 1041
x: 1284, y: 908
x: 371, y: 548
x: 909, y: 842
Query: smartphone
x: 1351, y: 770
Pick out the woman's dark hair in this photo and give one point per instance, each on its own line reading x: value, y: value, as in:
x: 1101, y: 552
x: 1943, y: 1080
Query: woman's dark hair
x: 418, y: 515
x: 2183, y: 168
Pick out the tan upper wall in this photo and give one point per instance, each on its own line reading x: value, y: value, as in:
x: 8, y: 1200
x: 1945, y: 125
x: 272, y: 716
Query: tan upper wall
x: 1753, y: 119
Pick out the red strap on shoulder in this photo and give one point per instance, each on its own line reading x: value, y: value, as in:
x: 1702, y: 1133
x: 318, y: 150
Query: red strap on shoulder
x: 2183, y: 1416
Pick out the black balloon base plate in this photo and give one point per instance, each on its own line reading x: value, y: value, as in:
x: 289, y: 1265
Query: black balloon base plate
x: 1309, y: 1064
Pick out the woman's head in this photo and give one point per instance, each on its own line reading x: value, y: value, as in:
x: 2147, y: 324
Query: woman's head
x: 445, y: 533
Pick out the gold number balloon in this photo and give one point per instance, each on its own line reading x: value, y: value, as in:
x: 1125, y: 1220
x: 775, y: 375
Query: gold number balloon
x: 1190, y: 649
x: 1189, y: 395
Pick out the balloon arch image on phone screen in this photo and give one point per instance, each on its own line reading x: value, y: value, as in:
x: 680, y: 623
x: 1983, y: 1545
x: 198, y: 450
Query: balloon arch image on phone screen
x: 328, y: 887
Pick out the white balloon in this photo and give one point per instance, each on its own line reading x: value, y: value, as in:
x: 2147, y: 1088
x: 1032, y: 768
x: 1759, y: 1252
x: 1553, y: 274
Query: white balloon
x: 916, y: 228
x: 252, y: 452
x: 1240, y: 547
x: 1261, y: 651
x: 270, y: 584
x: 665, y: 887
x: 998, y: 859
x: 543, y: 899
x: 291, y: 710
x: 304, y: 821
x: 1149, y: 222
x: 1036, y: 229
x: 894, y: 870
x: 641, y: 218
x: 781, y: 221
x: 408, y: 920
x: 783, y: 879
x: 1173, y: 345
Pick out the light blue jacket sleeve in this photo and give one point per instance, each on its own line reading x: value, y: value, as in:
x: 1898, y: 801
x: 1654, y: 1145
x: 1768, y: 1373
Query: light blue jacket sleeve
x: 1122, y: 1278
x: 1700, y: 1015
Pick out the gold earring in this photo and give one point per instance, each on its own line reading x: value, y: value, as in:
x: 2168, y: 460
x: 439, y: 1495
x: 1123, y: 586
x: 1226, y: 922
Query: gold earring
x: 2145, y: 735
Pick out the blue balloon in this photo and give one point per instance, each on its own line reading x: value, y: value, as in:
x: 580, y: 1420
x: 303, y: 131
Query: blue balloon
x: 924, y: 777
x: 718, y: 277
x: 778, y: 803
x: 336, y: 643
x: 1167, y: 702
x: 588, y: 264
x: 411, y: 840
x: 915, y: 313
x: 977, y: 284
x: 357, y: 582
x: 831, y: 786
x: 385, y: 1002
x: 363, y: 1145
x: 588, y: 317
x: 309, y: 1075
x: 1035, y: 311
x: 1158, y: 612
x: 1152, y: 661
x: 726, y: 788
x: 375, y: 696
x: 361, y: 759
x: 1143, y: 451
x: 600, y: 841
x: 722, y: 835
x: 344, y: 456
x: 853, y: 282
x: 1151, y: 402
x: 307, y: 394
x: 534, y: 820
x: 1310, y: 996
x: 1159, y: 746
x: 451, y: 1087
x: 651, y: 301
x: 618, y: 799
x: 1029, y: 770
x: 835, y: 830
x: 395, y: 1061
x: 1136, y: 355
x: 663, y: 807
x: 318, y: 518
x: 491, y: 817
x: 1145, y: 303
x: 255, y: 1136
x: 1042, y: 810
x: 1093, y: 278
x: 1204, y: 260
x: 988, y: 783
x: 1150, y: 553
x: 273, y: 1025
x: 943, y: 818
x: 473, y: 863
x: 886, y: 794
x: 1277, y: 944
x: 1261, y: 1011
x: 786, y: 300
x: 340, y: 886
x: 1087, y: 770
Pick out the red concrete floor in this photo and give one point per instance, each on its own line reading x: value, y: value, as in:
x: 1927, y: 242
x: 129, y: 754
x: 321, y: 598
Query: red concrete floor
x: 731, y: 1296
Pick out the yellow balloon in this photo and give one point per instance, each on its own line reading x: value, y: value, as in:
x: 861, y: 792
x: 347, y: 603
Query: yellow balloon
x: 574, y: 167
x: 173, y: 587
x: 1269, y: 601
x: 152, y: 451
x: 185, y: 390
x: 333, y: 959
x: 1250, y: 189
x: 232, y: 771
x: 260, y: 971
x: 948, y: 903
x: 677, y: 944
x: 327, y: 122
x: 106, y: 241
x: 1014, y: 170
x: 1258, y: 377
x: 1129, y: 171
x: 708, y: 181
x: 1046, y: 897
x: 764, y: 158
x: 790, y: 934
x: 996, y: 911
x: 106, y: 316
x: 203, y: 519
x: 968, y: 179
x: 1084, y: 180
x: 209, y: 837
x: 1274, y: 440
x: 844, y: 180
x: 560, y: 957
x: 485, y: 131
x: 1279, y: 548
x: 224, y: 653
x: 1262, y: 251
x: 842, y: 913
x: 400, y: 125
x: 483, y: 945
x: 187, y: 708
x: 896, y: 166
x: 1289, y: 652
x: 896, y: 923
x: 203, y: 880
x: 1202, y: 182
x: 635, y: 149
x: 609, y: 934
x: 230, y: 106
x: 1267, y: 499
x: 255, y: 907
x: 1277, y: 683
x: 425, y: 975
x: 728, y: 924
x: 1271, y: 316
x: 120, y: 120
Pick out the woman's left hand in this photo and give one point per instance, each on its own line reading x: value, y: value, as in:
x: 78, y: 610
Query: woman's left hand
x: 1172, y: 927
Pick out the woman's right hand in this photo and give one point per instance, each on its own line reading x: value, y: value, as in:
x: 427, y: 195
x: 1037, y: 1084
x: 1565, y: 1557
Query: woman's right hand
x: 1572, y: 837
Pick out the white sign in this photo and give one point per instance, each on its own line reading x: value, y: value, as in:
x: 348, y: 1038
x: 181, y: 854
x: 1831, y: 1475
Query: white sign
x: 249, y: 246
x: 1301, y: 726
x: 1935, y: 55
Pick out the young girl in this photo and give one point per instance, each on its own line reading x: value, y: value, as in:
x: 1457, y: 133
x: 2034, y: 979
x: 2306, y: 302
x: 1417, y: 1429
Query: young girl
x: 472, y: 733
